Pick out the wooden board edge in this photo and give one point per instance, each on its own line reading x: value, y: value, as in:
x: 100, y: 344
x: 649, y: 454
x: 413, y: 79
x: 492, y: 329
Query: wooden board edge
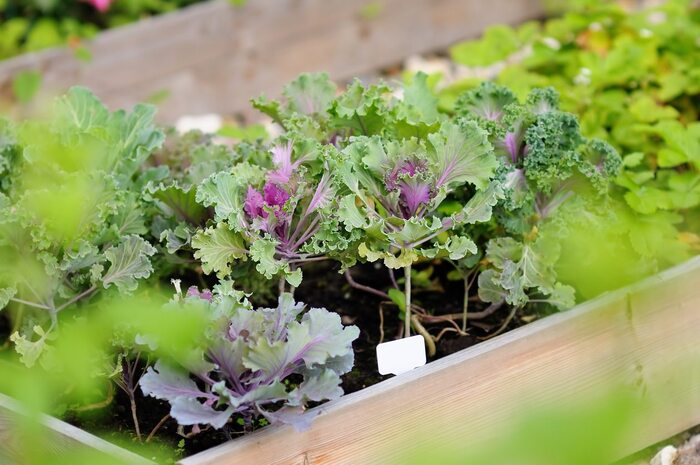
x: 75, y: 434
x: 385, y: 388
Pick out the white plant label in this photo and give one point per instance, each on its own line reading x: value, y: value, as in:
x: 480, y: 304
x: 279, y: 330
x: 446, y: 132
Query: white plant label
x: 396, y: 357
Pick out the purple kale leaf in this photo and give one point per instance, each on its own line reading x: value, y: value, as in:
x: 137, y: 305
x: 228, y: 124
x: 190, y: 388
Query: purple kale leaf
x: 252, y: 354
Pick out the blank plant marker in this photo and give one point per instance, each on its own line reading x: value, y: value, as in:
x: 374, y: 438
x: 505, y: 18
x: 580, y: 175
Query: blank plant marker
x: 396, y: 357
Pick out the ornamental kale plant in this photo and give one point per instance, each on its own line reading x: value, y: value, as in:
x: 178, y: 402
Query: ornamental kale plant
x: 266, y: 362
x: 545, y: 159
x: 178, y: 168
x: 632, y: 78
x: 71, y: 214
x: 173, y: 174
x: 545, y: 164
x: 396, y: 187
x: 279, y: 217
x: 382, y: 166
x: 409, y: 184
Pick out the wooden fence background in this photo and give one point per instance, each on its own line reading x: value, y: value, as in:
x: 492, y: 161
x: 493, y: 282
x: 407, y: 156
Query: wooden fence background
x: 213, y: 57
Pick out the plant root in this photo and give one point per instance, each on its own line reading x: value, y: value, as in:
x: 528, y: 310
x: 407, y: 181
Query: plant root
x: 429, y: 342
x: 504, y: 325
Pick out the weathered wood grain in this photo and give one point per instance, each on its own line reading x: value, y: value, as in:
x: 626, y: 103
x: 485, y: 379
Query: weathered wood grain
x: 214, y: 57
x: 646, y: 337
x: 60, y: 438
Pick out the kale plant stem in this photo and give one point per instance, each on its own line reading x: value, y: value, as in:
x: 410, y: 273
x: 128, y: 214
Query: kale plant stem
x: 157, y: 427
x: 128, y: 383
x: 420, y: 329
x: 292, y: 289
x: 134, y: 416
x: 505, y: 323
x: 456, y: 316
x: 407, y: 311
x: 77, y: 298
x: 101, y: 404
x: 362, y: 287
x: 355, y: 285
x: 465, y: 306
x: 393, y: 278
x: 30, y: 304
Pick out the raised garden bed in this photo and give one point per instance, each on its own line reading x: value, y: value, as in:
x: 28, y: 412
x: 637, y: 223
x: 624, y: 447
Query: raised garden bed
x: 213, y: 57
x: 643, y: 336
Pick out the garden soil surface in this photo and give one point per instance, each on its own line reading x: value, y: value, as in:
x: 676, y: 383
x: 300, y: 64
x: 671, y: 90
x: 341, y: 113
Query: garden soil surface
x: 323, y: 286
x: 4, y: 329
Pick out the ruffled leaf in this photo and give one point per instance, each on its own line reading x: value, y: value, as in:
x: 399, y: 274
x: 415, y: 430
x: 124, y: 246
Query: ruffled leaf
x: 129, y: 262
x: 310, y: 93
x: 6, y: 294
x: 462, y: 153
x: 168, y: 383
x: 217, y: 248
x: 188, y: 411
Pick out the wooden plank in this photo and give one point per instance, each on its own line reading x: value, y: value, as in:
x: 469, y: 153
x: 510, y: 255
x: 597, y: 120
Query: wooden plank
x: 62, y: 438
x: 214, y: 57
x: 632, y: 336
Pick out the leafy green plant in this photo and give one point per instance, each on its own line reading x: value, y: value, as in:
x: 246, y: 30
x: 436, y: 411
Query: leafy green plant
x: 276, y: 217
x: 546, y: 163
x: 632, y: 78
x: 79, y: 365
x: 396, y: 187
x: 91, y: 201
x: 403, y: 184
x: 30, y: 25
x: 248, y: 360
x: 381, y: 165
x: 71, y: 214
x: 94, y: 203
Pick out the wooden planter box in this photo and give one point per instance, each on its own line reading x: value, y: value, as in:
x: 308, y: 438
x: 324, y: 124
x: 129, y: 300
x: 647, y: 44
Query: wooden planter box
x: 213, y: 57
x: 62, y: 436
x: 631, y: 336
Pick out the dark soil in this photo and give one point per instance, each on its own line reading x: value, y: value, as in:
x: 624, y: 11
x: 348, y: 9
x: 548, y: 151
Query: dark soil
x: 5, y: 328
x: 323, y: 286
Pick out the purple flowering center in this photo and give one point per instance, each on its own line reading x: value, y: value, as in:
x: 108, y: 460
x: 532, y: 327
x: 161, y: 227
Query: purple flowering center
x: 414, y: 191
x: 205, y: 294
x: 273, y: 197
x: 258, y: 207
x: 406, y: 168
x: 253, y: 203
x: 514, y: 147
x: 413, y: 196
